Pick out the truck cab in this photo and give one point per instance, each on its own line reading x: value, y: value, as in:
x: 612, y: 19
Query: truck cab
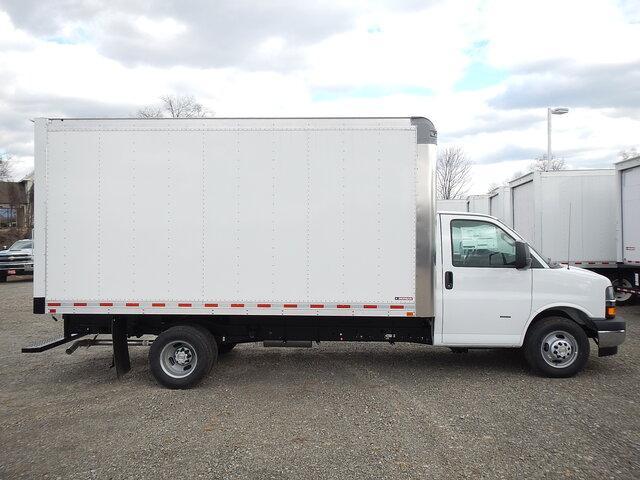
x: 496, y: 291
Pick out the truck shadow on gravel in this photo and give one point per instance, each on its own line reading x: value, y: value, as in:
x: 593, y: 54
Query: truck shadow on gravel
x: 249, y: 364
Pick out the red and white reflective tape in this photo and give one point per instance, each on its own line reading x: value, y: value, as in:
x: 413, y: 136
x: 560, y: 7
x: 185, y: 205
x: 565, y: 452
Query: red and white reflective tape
x: 591, y: 262
x: 244, y: 308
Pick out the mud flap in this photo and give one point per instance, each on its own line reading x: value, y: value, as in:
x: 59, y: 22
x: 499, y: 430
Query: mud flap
x: 120, y: 346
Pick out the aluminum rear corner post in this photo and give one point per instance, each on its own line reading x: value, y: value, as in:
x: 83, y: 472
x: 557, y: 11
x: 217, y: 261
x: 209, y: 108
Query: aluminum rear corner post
x: 40, y: 211
x: 427, y: 138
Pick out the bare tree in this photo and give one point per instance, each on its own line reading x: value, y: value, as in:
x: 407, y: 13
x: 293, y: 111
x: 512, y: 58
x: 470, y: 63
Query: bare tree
x: 174, y: 106
x: 628, y: 153
x: 453, y: 173
x: 6, y: 171
x: 543, y: 164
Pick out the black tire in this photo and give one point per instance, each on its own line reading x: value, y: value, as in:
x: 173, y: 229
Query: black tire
x: 3, y: 277
x: 562, y: 337
x: 224, y: 348
x: 623, y: 298
x: 190, y: 343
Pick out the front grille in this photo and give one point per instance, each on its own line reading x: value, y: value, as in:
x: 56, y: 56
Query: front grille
x: 15, y: 258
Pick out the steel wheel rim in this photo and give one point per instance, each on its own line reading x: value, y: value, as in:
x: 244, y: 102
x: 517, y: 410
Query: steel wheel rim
x: 559, y: 349
x: 622, y: 296
x: 178, y: 359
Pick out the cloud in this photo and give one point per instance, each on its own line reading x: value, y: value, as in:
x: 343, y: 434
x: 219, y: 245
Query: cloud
x: 600, y: 86
x: 199, y: 34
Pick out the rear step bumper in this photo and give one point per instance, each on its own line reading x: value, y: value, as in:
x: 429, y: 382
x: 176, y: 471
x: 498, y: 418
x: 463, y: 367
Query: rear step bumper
x: 43, y: 345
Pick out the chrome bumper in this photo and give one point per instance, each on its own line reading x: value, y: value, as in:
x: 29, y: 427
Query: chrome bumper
x: 609, y: 338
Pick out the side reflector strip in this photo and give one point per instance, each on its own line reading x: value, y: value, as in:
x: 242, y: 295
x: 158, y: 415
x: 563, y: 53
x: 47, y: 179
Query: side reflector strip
x: 210, y: 305
x: 290, y: 305
x: 344, y: 306
x: 79, y: 304
x: 53, y: 304
x: 132, y: 304
x: 237, y: 305
x: 106, y: 304
x: 184, y: 304
x: 52, y: 310
x: 157, y: 304
x: 264, y: 305
x: 370, y: 306
x: 316, y: 305
x: 397, y: 307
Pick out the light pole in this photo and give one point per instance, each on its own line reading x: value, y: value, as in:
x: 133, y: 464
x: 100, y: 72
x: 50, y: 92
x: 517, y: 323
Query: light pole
x: 552, y: 111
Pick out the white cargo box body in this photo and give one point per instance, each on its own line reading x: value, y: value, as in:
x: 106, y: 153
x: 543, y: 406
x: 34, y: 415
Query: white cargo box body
x: 541, y: 205
x: 240, y: 216
x: 628, y: 196
x: 451, y: 205
x: 500, y: 205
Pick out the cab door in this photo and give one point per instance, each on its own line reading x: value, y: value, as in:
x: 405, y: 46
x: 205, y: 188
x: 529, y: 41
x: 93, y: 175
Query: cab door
x: 486, y: 300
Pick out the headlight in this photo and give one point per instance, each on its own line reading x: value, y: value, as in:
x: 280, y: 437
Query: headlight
x: 610, y: 294
x: 610, y: 302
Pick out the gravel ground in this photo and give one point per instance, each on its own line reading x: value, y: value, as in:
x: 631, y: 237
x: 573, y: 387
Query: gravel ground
x: 334, y: 411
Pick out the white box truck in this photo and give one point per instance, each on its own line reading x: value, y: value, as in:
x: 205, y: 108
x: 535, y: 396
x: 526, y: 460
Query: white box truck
x: 627, y: 280
x: 451, y: 205
x: 208, y: 233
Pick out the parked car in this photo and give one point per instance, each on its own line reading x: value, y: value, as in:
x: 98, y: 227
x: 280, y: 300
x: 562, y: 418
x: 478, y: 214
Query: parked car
x: 17, y: 259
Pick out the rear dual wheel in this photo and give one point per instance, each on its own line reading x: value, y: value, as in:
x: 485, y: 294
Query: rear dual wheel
x: 181, y: 356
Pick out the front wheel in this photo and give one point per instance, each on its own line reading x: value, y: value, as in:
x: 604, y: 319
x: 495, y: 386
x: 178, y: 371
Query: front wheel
x: 556, y: 347
x: 182, y: 356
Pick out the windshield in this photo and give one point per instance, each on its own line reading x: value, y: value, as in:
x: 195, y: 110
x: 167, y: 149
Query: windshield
x: 21, y: 245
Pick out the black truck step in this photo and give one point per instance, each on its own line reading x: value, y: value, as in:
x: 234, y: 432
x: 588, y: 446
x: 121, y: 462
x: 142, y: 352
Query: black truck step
x: 43, y: 345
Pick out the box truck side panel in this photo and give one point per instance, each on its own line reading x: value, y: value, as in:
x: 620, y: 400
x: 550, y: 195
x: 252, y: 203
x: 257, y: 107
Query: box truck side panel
x: 495, y: 206
x: 631, y: 215
x: 587, y: 198
x: 524, y: 211
x: 231, y: 213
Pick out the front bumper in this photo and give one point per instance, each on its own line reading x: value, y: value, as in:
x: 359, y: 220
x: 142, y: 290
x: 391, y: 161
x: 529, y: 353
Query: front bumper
x: 609, y: 334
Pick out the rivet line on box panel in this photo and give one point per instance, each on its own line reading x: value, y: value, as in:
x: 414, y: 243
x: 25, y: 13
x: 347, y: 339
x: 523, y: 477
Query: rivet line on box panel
x: 273, y: 211
x: 169, y: 258
x: 203, y: 217
x: 308, y: 216
x: 342, y: 209
x: 99, y: 216
x: 237, y: 279
x: 133, y: 216
x: 65, y: 214
x: 379, y: 217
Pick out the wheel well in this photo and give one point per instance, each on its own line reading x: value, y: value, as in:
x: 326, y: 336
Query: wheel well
x: 565, y: 312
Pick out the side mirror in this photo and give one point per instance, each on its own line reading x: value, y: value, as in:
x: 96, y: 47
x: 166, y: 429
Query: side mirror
x: 523, y: 256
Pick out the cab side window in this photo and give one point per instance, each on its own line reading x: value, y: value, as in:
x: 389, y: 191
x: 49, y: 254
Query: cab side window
x: 475, y: 243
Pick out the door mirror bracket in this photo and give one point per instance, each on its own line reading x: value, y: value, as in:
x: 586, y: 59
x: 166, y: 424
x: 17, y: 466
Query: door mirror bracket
x: 523, y: 256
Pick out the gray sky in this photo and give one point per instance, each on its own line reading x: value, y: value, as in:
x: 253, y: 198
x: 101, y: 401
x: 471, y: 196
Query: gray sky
x: 484, y: 71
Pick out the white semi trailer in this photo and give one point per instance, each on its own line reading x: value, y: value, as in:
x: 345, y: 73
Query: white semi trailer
x: 569, y: 217
x: 212, y: 232
x: 451, y: 205
x: 500, y: 205
x: 478, y: 204
x: 627, y: 197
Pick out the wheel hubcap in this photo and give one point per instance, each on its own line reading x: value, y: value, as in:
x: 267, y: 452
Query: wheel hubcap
x: 178, y: 359
x: 622, y: 296
x: 559, y: 349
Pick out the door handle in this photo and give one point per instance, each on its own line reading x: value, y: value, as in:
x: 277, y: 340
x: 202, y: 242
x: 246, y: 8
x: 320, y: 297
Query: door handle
x: 448, y: 280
